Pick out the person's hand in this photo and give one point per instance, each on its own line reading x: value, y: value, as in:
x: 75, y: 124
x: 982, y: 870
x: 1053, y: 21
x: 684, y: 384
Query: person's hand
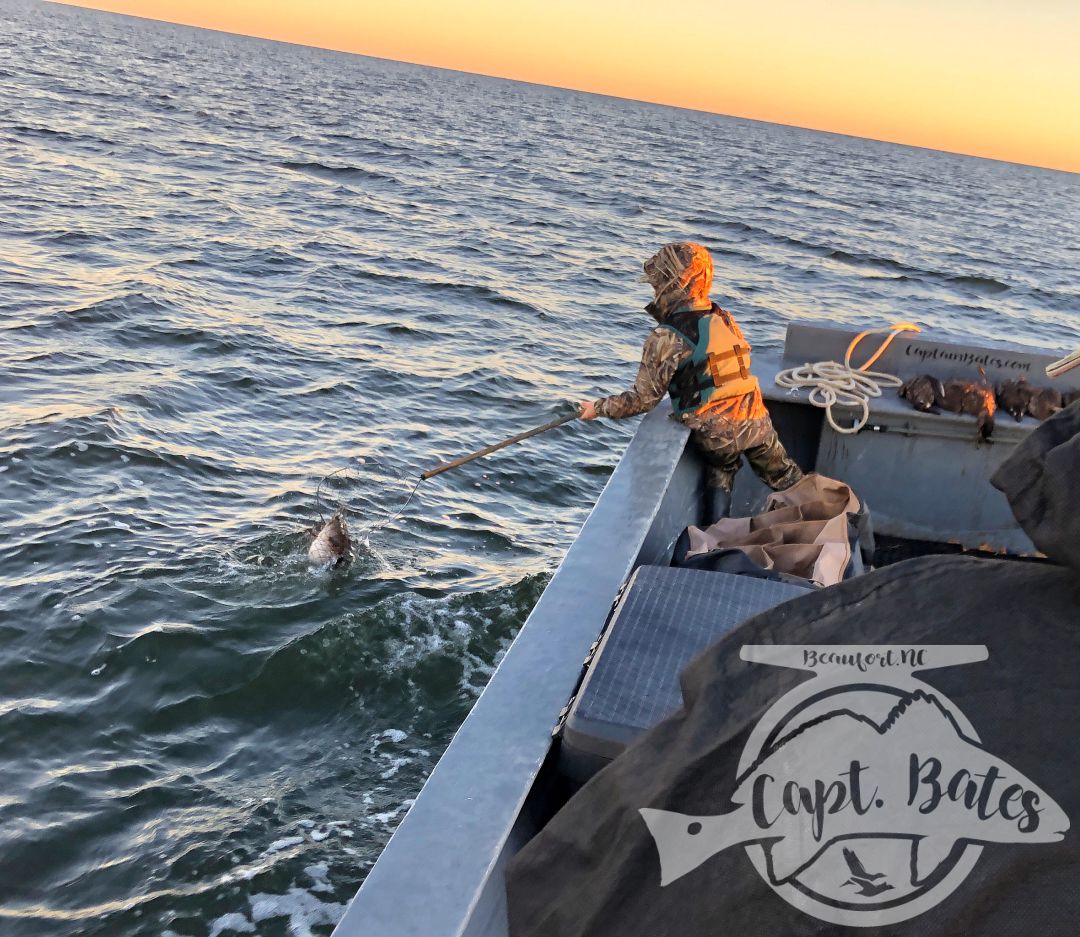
x: 587, y: 410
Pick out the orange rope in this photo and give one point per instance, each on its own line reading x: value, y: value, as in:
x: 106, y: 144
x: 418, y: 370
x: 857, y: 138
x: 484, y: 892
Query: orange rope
x: 894, y: 331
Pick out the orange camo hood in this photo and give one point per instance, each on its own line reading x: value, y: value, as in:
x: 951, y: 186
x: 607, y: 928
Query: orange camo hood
x: 680, y: 273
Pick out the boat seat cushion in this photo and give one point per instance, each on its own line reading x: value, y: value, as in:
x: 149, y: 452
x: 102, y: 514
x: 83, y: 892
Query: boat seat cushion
x: 665, y: 617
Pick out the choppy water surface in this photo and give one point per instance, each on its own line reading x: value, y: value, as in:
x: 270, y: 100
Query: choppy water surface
x: 228, y: 267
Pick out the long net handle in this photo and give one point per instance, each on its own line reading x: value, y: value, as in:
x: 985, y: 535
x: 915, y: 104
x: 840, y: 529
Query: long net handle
x: 1065, y: 364
x: 487, y: 450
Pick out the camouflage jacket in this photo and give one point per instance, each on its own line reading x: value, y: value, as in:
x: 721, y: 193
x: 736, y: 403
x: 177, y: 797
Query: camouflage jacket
x: 664, y: 351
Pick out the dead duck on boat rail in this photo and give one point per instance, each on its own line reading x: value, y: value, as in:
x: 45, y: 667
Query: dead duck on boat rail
x: 975, y: 398
x: 923, y: 392
x: 1014, y: 397
x: 1045, y: 402
x: 929, y: 394
x: 1019, y: 399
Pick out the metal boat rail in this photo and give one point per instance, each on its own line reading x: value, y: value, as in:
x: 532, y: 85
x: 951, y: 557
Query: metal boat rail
x: 440, y: 874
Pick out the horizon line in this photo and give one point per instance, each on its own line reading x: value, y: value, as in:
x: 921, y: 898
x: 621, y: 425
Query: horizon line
x: 537, y: 84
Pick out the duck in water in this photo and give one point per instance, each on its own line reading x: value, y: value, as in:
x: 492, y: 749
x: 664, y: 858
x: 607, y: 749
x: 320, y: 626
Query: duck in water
x: 331, y: 545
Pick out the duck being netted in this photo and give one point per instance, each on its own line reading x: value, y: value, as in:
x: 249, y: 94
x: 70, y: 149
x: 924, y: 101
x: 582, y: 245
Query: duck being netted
x: 385, y: 491
x: 370, y: 492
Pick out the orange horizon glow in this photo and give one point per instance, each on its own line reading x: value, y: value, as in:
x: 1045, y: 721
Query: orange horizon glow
x: 978, y: 77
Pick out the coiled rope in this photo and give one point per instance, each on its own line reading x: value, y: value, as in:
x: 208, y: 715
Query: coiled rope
x: 831, y: 383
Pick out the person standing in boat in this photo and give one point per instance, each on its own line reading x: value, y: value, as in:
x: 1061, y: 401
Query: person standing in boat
x: 699, y: 356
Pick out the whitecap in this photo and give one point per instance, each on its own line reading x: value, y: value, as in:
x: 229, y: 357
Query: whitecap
x: 284, y: 843
x: 234, y: 922
x: 301, y: 907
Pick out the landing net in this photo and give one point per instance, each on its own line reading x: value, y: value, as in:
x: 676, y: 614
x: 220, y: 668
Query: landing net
x: 371, y: 491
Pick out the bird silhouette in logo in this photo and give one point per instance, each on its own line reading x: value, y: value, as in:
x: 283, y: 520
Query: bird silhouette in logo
x: 866, y: 882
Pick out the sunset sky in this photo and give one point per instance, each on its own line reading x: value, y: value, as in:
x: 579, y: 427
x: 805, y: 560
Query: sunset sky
x: 985, y: 77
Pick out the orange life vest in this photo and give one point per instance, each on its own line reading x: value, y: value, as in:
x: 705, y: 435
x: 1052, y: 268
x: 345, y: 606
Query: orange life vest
x: 719, y: 365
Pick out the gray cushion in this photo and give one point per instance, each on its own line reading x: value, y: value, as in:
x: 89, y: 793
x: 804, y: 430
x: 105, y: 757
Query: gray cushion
x: 665, y: 618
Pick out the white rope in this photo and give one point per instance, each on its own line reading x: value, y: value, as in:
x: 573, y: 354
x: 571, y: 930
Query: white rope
x: 832, y: 383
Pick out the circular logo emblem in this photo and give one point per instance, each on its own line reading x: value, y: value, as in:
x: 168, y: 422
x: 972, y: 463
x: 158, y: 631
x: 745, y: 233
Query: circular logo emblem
x: 864, y: 796
x: 863, y: 880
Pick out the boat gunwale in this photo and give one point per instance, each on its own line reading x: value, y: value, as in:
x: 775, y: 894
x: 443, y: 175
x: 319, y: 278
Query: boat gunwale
x: 459, y: 826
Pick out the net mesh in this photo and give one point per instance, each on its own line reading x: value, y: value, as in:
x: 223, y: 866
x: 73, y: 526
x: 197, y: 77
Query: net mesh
x: 371, y: 491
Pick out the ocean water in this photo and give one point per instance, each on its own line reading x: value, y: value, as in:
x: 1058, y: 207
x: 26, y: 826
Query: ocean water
x: 229, y: 267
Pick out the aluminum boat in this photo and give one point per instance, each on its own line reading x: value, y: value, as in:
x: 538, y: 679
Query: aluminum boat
x: 925, y: 479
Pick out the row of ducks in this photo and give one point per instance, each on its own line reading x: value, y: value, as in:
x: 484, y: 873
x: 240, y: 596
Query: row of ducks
x: 980, y: 399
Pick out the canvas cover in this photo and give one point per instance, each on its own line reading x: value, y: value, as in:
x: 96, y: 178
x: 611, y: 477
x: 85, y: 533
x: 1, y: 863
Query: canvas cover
x: 803, y: 531
x: 982, y: 739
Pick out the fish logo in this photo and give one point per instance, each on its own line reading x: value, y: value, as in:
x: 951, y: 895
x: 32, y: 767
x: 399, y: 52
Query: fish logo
x: 864, y: 796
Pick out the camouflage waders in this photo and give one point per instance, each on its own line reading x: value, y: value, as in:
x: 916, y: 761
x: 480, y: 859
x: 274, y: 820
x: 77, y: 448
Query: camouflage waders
x: 723, y: 443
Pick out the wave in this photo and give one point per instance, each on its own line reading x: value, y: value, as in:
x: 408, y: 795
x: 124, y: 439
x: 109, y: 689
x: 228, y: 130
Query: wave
x: 111, y: 443
x: 978, y: 284
x: 138, y: 319
x: 120, y: 307
x: 51, y: 359
x: 388, y: 644
x: 48, y: 132
x: 853, y: 258
x: 872, y: 260
x: 337, y: 173
x: 468, y: 291
x: 902, y: 272
x: 71, y: 421
x: 1057, y: 299
x: 725, y: 251
x: 326, y: 387
x: 483, y: 293
x: 740, y: 227
x: 273, y: 260
x: 60, y: 136
x: 75, y: 238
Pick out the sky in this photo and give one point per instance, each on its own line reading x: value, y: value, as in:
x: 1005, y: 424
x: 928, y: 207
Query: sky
x: 982, y: 77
